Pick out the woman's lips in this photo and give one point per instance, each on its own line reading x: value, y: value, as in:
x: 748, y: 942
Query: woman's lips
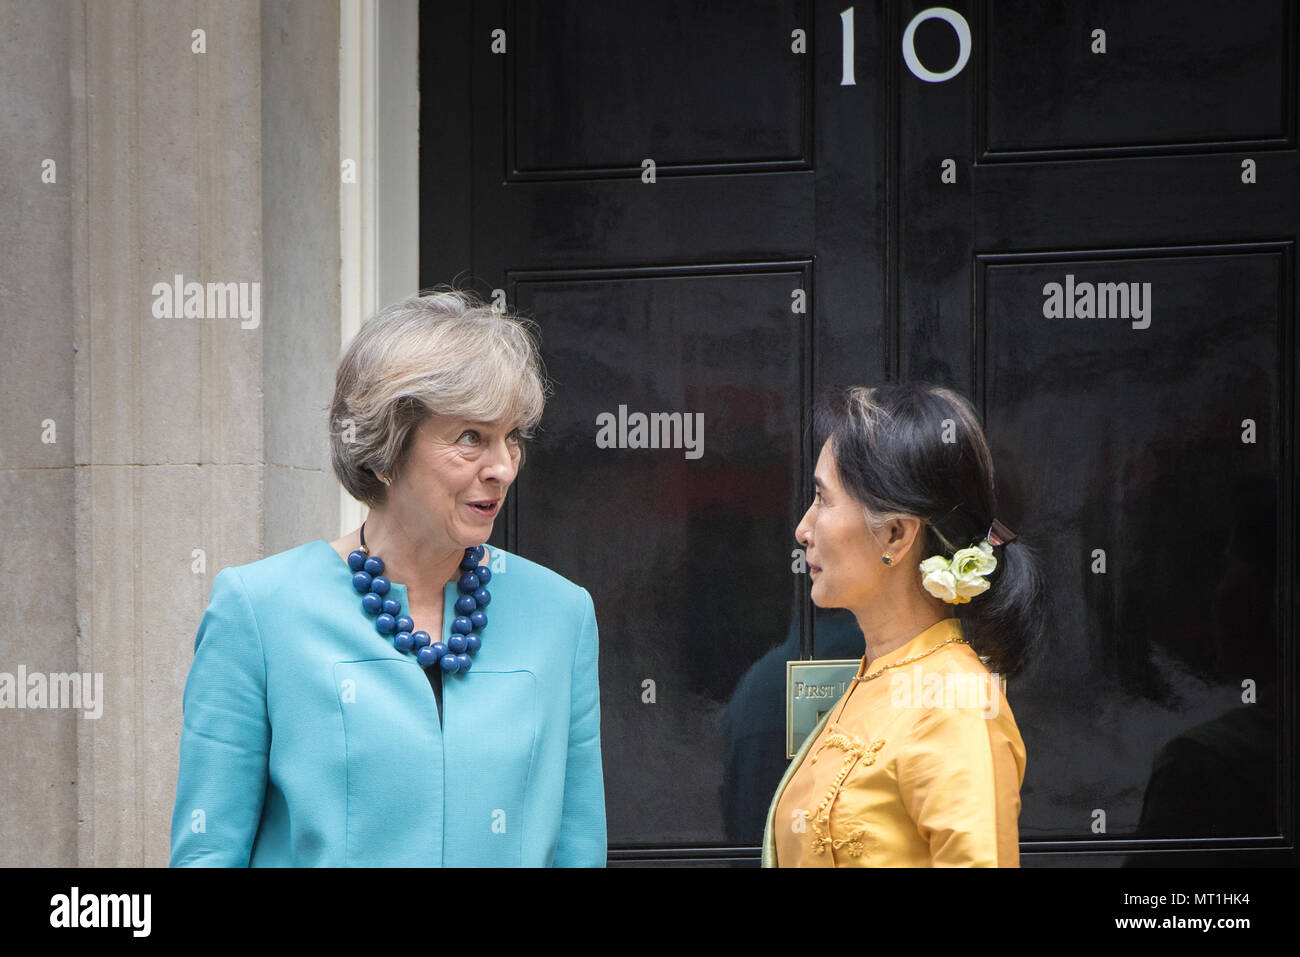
x: 485, y: 508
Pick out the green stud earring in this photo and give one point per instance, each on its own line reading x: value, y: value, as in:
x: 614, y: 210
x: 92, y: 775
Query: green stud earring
x: 886, y: 559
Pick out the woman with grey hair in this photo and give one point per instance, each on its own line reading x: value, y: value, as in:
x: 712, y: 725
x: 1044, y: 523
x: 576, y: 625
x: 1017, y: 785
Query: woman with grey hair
x: 350, y: 702
x: 920, y: 762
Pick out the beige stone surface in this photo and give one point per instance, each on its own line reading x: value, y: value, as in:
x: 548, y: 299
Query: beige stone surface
x: 173, y: 434
x: 300, y: 339
x: 38, y: 748
x: 35, y: 284
x: 149, y: 558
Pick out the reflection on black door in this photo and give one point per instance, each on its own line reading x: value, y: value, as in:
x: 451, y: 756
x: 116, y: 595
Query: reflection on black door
x: 1082, y: 216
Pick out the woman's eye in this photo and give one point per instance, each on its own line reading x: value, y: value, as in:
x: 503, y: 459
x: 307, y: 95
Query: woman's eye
x: 469, y: 435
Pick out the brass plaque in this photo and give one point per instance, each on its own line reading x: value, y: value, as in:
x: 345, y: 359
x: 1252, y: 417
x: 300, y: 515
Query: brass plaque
x: 811, y: 689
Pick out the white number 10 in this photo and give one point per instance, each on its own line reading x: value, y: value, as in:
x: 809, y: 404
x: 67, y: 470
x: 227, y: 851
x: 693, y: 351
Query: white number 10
x: 951, y: 17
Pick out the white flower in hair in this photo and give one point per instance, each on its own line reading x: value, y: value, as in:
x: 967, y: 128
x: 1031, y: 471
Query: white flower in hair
x: 938, y: 579
x: 960, y: 579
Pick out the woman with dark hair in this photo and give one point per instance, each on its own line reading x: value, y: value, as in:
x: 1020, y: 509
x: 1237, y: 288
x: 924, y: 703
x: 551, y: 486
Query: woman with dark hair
x: 920, y: 762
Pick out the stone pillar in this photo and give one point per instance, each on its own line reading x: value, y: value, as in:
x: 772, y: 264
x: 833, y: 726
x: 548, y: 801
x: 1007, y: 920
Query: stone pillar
x: 38, y: 748
x: 145, y: 451
x: 300, y: 260
x: 169, y: 449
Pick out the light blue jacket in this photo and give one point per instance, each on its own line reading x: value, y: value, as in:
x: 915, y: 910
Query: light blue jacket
x: 310, y: 740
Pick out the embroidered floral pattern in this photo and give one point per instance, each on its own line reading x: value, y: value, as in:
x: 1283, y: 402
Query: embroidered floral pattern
x: 855, y: 749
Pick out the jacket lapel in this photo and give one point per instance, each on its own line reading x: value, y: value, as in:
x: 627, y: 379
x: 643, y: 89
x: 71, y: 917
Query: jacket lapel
x: 769, y: 836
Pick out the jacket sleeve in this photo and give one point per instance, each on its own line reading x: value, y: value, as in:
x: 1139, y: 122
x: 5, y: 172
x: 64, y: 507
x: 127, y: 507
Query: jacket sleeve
x: 959, y: 780
x: 225, y: 735
x: 582, y: 840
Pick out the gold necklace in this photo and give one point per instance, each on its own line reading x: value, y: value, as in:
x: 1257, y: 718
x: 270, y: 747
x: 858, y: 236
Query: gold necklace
x: 908, y: 661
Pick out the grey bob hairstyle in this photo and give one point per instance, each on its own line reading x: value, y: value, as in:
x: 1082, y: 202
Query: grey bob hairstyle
x: 446, y: 353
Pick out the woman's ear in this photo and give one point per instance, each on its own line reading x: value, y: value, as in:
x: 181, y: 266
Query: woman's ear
x: 902, y: 533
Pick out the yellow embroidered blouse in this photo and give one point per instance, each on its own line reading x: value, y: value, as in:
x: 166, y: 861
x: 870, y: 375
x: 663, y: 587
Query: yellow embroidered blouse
x: 920, y: 766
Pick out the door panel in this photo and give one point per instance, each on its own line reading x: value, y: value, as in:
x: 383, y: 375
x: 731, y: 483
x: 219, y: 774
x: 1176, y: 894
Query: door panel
x: 597, y: 88
x: 1174, y: 77
x: 1159, y: 526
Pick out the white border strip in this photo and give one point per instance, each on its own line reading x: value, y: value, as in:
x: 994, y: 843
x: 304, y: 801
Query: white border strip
x: 356, y: 200
x: 379, y: 216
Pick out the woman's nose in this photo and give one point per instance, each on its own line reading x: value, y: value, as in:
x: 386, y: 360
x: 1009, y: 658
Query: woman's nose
x: 501, y: 465
x: 803, y: 530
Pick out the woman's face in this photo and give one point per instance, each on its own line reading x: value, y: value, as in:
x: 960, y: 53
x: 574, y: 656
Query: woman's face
x: 843, y: 557
x: 454, y: 481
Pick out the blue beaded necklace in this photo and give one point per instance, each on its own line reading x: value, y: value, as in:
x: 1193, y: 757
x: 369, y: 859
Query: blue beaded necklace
x: 453, y: 656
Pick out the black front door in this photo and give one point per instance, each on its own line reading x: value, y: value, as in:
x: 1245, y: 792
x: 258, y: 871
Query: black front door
x: 714, y: 210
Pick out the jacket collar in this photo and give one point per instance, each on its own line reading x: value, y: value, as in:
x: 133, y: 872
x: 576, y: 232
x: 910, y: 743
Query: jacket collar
x: 932, y: 637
